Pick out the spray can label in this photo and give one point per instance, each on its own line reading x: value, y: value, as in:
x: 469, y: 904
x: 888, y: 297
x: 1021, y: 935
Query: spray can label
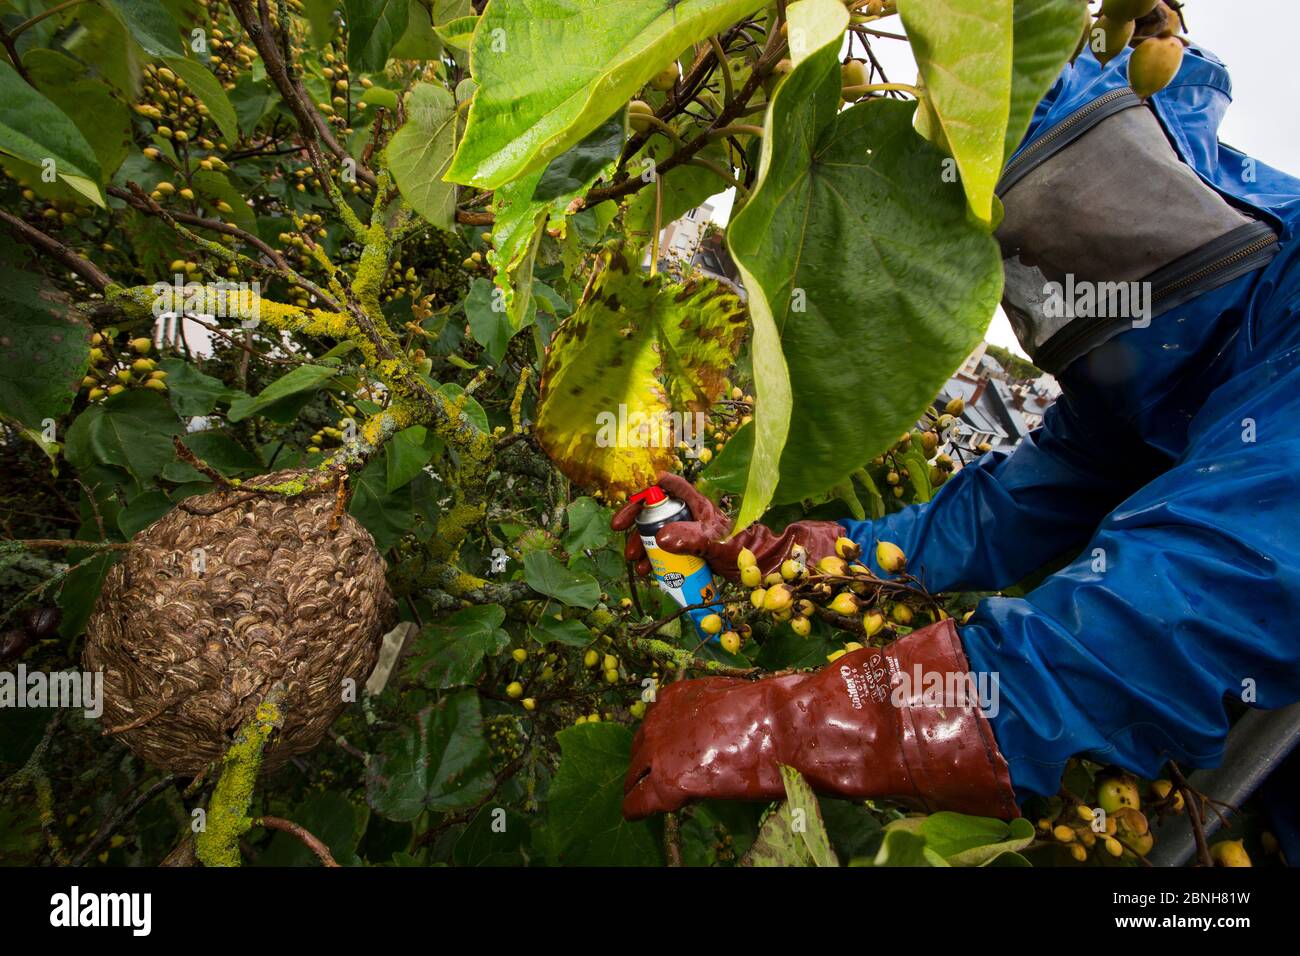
x: 685, y: 577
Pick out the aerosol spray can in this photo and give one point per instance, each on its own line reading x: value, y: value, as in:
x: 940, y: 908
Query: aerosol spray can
x: 684, y: 576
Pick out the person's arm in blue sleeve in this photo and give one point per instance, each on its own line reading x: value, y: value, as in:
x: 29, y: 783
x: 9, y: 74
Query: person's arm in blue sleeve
x: 1189, y: 591
x: 1004, y: 516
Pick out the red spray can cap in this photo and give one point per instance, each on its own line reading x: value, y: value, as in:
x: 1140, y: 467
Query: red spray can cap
x: 651, y: 496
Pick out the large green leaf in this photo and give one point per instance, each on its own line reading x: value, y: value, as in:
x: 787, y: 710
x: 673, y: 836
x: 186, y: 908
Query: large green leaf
x: 374, y: 26
x: 421, y: 151
x: 44, y: 348
x: 628, y: 369
x: 902, y: 847
x: 489, y: 320
x: 551, y: 71
x: 151, y: 25
x: 450, y: 653
x: 963, y: 840
x: 546, y: 575
x: 794, y: 834
x: 963, y: 48
x: 1046, y: 34
x: 36, y: 131
x: 96, y: 109
x: 302, y: 380
x: 441, y: 763
x: 209, y: 92
x: 853, y: 222
x: 584, y: 816
x: 132, y: 430
x: 191, y: 391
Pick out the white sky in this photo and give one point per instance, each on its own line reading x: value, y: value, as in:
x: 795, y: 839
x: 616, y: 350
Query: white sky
x: 1257, y: 41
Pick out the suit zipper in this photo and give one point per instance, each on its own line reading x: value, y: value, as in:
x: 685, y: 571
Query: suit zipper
x: 1029, y: 158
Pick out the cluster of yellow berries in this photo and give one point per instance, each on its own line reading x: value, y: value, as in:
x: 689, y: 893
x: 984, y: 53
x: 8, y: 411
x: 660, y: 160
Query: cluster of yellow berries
x: 111, y: 373
x: 329, y: 434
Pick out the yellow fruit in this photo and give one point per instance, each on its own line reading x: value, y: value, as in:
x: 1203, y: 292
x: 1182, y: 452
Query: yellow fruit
x: 773, y: 578
x: 514, y: 689
x: 1113, y: 846
x: 844, y: 603
x: 1085, y: 813
x: 835, y: 656
x: 791, y: 569
x: 1127, y: 9
x: 847, y: 548
x: 1230, y: 853
x: 1115, y: 793
x: 611, y: 676
x: 955, y: 407
x: 751, y: 577
x: 95, y: 394
x: 610, y: 662
x: 801, y: 626
x: 890, y: 557
x: 142, y: 366
x: 1154, y: 64
x: 519, y: 654
x: 142, y: 345
x: 746, y: 559
x: 757, y: 597
x: 852, y: 646
x: 711, y: 624
x: 156, y: 384
x: 1109, y: 38
x: 872, y: 622
x: 730, y: 642
x: 833, y: 565
x: 1063, y: 833
x: 1078, y: 853
x: 166, y: 189
x: 705, y: 456
x: 854, y: 73
x: 187, y: 194
x: 1139, y: 843
x: 590, y: 659
x: 777, y: 598
x: 530, y: 703
x: 637, y: 710
x: 666, y: 78
x: 902, y: 614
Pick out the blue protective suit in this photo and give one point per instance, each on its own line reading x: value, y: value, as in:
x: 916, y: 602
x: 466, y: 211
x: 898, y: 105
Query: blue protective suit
x: 1171, y: 468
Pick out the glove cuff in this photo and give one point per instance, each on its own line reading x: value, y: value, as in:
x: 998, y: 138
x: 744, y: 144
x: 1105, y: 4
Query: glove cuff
x: 948, y: 751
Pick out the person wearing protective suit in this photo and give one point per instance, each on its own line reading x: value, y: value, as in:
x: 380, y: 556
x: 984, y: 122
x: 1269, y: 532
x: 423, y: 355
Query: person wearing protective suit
x: 1168, y: 467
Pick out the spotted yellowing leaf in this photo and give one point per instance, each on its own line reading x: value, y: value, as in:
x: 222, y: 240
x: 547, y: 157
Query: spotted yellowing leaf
x: 627, y: 371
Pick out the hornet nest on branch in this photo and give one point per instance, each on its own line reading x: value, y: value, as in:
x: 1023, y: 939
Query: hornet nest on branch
x: 230, y: 594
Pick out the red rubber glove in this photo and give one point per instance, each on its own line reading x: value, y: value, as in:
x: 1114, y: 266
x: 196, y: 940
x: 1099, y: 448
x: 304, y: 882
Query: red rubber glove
x: 706, y: 536
x: 724, y: 738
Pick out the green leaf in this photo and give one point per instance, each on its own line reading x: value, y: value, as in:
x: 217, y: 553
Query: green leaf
x: 963, y: 840
x: 588, y: 526
x: 489, y: 322
x: 569, y: 633
x: 151, y: 25
x: 683, y: 187
x: 35, y: 131
x: 132, y: 430
x: 80, y: 591
x: 331, y: 817
x: 442, y: 763
x: 142, y: 511
x: 386, y: 515
x: 551, y: 71
x: 901, y: 847
x: 223, y: 453
x: 373, y: 27
x: 450, y: 653
x: 419, y: 42
x: 44, y: 347
x: 546, y: 575
x: 1046, y: 34
x: 473, y: 411
x: 497, y: 836
x: 421, y: 151
x: 407, y: 452
x: 963, y: 48
x: 304, y: 379
x: 92, y: 104
x: 918, y: 470
x: 626, y: 373
x: 458, y: 34
x: 584, y: 816
x: 209, y: 92
x: 191, y: 391
x: 794, y: 834
x: 852, y: 223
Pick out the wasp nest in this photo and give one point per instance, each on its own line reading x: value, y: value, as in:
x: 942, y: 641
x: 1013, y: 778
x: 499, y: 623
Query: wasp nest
x: 223, y: 599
